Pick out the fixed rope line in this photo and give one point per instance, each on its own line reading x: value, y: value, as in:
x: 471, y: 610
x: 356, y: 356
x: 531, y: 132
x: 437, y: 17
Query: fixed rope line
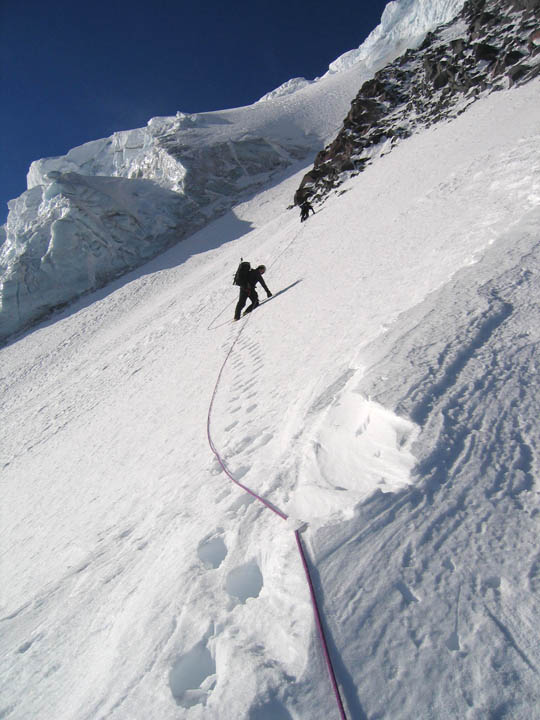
x: 283, y: 516
x: 318, y: 622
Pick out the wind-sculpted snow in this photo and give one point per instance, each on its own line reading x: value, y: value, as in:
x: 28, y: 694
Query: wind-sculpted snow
x: 459, y: 551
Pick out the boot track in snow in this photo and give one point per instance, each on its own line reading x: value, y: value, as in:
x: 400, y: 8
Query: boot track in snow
x: 301, y: 549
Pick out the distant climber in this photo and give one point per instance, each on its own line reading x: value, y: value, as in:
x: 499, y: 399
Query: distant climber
x: 247, y: 278
x: 305, y: 207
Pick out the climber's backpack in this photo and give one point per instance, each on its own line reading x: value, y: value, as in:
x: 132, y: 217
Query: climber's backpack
x: 241, y: 275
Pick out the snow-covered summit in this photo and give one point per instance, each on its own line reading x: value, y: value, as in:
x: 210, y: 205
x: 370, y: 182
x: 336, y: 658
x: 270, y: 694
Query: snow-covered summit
x: 403, y: 25
x: 487, y: 47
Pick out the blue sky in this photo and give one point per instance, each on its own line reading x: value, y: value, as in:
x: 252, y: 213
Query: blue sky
x: 73, y: 71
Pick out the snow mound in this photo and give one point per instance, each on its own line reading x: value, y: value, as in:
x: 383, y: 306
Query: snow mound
x: 352, y: 449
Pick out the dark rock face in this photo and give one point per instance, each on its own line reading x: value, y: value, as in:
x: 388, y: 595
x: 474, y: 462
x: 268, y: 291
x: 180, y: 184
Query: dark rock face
x: 491, y: 45
x: 525, y: 4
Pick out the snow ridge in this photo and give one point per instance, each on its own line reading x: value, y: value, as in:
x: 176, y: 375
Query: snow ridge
x: 404, y: 24
x: 488, y: 47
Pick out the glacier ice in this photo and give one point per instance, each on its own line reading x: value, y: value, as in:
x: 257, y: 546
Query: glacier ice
x: 110, y: 205
x: 404, y: 24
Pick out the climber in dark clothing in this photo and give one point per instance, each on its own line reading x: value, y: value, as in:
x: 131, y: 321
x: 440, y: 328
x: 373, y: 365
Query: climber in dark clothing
x: 247, y: 290
x: 305, y: 207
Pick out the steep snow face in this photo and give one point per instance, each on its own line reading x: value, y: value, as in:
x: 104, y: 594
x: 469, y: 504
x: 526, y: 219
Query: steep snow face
x: 387, y: 395
x: 109, y: 205
x: 210, y: 161
x: 190, y: 169
x: 403, y: 25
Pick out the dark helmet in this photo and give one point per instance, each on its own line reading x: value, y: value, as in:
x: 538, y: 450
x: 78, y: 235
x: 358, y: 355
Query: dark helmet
x: 261, y: 269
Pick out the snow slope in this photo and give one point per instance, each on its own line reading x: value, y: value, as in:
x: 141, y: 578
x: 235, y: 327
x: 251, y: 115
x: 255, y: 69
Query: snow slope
x: 387, y: 396
x: 90, y: 215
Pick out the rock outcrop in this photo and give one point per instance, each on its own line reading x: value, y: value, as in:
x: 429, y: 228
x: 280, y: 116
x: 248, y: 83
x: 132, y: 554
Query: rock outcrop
x: 491, y: 45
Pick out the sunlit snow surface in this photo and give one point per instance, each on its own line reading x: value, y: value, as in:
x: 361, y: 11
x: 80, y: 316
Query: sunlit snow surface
x: 387, y: 395
x: 111, y: 204
x: 404, y: 24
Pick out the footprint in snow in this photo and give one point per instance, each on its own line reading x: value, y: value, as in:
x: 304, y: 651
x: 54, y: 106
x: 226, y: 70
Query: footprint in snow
x: 216, y: 468
x: 272, y: 710
x: 193, y: 676
x: 534, y: 575
x: 223, y: 494
x: 264, y: 440
x: 212, y: 551
x: 245, y: 581
x: 406, y: 593
x: 243, y: 444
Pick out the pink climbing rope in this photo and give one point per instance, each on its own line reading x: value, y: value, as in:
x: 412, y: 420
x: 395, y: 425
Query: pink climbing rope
x: 320, y: 628
x: 283, y: 516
